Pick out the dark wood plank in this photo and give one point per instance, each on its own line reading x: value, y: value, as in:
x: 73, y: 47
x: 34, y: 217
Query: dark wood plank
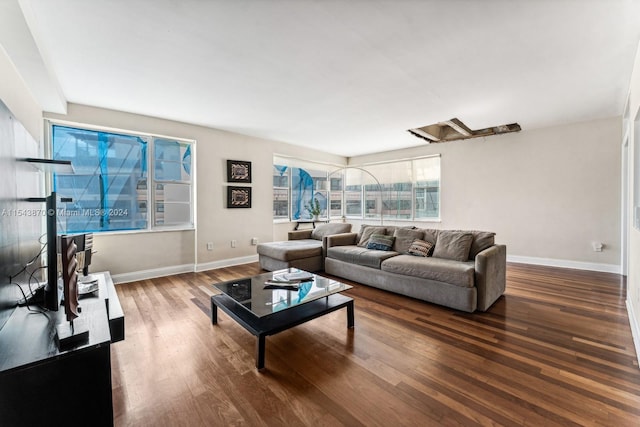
x: 556, y: 350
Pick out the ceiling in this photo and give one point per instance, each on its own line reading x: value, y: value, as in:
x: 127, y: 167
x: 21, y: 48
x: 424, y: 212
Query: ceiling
x: 347, y: 77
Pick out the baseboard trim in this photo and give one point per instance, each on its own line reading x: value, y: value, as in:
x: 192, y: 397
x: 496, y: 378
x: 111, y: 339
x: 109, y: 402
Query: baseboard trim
x: 178, y: 269
x: 152, y: 273
x: 635, y: 328
x: 563, y: 263
x: 226, y: 263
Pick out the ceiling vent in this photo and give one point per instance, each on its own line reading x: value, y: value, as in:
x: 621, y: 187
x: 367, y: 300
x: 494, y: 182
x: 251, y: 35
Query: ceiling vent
x: 454, y: 129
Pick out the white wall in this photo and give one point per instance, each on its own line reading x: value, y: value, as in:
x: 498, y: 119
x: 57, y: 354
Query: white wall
x: 547, y: 193
x: 633, y: 237
x: 133, y: 255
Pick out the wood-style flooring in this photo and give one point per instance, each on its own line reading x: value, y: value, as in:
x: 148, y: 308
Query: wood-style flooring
x: 556, y: 350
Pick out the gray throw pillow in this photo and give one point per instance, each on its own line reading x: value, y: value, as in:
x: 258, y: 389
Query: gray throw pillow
x: 380, y: 242
x: 404, y: 239
x: 453, y: 245
x: 366, y: 231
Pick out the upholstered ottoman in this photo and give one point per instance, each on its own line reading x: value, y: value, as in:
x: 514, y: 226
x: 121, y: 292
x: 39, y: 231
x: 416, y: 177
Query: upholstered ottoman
x: 305, y: 249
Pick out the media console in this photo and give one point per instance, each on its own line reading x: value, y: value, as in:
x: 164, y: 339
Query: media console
x: 41, y: 385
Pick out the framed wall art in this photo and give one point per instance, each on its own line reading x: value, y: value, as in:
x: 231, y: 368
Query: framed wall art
x: 238, y: 197
x: 238, y: 171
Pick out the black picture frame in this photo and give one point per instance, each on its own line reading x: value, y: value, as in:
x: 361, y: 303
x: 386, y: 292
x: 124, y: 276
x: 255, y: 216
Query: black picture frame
x: 238, y: 171
x: 238, y: 197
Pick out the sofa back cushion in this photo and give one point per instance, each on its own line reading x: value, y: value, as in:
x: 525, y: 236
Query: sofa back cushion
x: 454, y: 245
x: 404, y: 237
x: 481, y: 241
x: 365, y: 233
x: 430, y: 235
x: 328, y: 229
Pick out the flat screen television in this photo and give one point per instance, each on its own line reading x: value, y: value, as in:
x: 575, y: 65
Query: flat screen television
x: 84, y: 243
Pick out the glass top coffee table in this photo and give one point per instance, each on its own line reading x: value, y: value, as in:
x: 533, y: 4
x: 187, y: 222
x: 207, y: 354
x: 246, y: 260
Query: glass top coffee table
x: 273, y: 302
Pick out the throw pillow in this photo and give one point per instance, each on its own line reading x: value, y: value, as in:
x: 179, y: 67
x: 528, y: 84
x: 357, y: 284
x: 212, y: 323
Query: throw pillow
x: 404, y: 238
x: 420, y: 248
x: 366, y: 231
x: 453, y: 245
x: 380, y: 242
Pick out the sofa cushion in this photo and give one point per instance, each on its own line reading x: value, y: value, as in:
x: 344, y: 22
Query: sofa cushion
x: 420, y: 248
x: 328, y: 229
x: 360, y: 256
x: 365, y: 233
x: 443, y: 270
x: 430, y: 235
x: 481, y: 241
x: 291, y: 249
x: 380, y: 242
x: 404, y: 238
x: 454, y: 245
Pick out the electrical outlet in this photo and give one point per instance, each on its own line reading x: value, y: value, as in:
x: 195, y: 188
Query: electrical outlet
x: 254, y: 241
x: 234, y: 243
x: 597, y: 246
x: 209, y: 246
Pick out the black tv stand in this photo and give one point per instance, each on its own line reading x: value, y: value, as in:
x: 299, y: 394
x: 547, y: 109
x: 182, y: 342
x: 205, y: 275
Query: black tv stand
x: 43, y: 385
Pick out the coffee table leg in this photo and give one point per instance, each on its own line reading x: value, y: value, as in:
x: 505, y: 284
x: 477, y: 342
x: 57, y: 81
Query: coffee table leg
x: 260, y: 352
x: 350, y: 321
x: 214, y: 313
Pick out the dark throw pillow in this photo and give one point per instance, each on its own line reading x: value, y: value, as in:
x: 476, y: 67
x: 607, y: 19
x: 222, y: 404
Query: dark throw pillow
x: 380, y: 242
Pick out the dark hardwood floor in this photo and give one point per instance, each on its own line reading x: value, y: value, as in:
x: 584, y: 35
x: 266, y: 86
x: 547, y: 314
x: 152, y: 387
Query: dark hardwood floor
x: 555, y: 350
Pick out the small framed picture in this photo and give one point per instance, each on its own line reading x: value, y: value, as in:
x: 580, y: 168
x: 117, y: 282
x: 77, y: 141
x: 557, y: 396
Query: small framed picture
x: 238, y: 171
x: 238, y: 197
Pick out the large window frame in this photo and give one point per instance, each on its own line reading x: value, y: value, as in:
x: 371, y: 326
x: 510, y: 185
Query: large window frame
x: 408, y: 189
x: 160, y: 191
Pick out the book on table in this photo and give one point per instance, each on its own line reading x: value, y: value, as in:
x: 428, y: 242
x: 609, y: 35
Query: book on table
x: 301, y: 276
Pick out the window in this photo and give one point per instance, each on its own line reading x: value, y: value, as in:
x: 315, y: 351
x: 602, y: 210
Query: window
x: 307, y: 186
x: 280, y: 192
x: 426, y: 174
x: 353, y: 193
x: 335, y: 194
x: 111, y: 185
x: 172, y: 182
x: 406, y: 190
x: 298, y: 183
x: 400, y: 190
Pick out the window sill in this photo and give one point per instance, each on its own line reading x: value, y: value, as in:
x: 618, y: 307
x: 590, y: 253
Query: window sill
x: 154, y: 230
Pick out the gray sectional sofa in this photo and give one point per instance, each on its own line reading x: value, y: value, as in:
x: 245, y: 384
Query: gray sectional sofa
x: 464, y: 270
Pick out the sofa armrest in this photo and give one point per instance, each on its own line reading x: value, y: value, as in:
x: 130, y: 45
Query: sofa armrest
x: 491, y: 275
x: 299, y: 234
x: 342, y: 239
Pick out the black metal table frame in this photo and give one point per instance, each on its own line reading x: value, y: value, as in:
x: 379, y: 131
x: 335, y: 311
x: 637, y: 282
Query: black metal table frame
x: 280, y: 321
